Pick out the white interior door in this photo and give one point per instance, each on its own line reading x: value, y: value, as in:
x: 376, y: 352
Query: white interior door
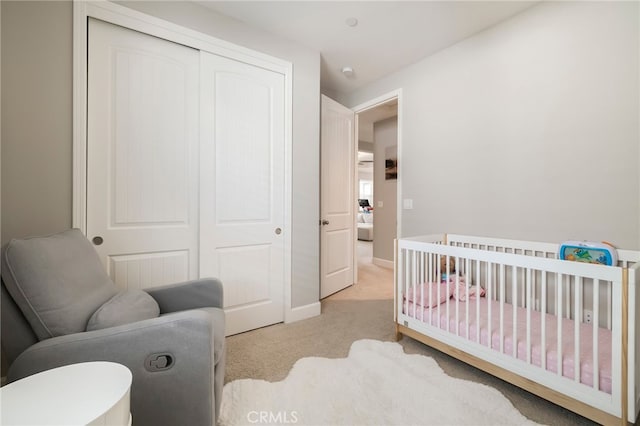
x: 142, y: 156
x: 337, y: 200
x: 242, y: 188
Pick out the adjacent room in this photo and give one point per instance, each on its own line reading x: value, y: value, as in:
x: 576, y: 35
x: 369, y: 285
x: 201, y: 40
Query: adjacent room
x: 310, y: 212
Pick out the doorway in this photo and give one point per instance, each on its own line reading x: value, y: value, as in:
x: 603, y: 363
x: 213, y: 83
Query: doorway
x: 377, y: 187
x: 379, y: 114
x: 375, y: 197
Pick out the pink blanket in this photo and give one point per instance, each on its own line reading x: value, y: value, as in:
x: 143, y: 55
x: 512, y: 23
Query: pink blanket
x: 430, y: 315
x: 433, y: 294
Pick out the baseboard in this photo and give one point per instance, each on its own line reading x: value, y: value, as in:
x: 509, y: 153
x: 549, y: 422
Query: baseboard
x: 302, y: 312
x: 383, y: 263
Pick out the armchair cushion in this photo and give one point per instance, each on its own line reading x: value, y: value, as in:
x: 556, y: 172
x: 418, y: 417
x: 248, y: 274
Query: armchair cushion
x: 123, y: 308
x: 58, y: 289
x: 200, y: 293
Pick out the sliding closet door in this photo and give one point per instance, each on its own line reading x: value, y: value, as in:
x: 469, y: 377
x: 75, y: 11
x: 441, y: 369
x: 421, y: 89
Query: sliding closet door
x: 242, y: 188
x: 142, y: 156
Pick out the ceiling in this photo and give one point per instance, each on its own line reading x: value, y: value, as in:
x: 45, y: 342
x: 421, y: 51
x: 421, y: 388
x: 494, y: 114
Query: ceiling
x: 379, y: 112
x: 389, y: 35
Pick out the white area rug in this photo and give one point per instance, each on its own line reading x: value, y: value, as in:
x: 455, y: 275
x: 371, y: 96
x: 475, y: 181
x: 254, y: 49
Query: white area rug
x: 378, y: 384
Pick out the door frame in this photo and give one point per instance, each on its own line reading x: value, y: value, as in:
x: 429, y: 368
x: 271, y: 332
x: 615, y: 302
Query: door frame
x: 138, y: 21
x: 394, y: 94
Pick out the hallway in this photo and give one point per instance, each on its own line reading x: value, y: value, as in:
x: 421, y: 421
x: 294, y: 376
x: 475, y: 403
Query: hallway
x: 374, y: 282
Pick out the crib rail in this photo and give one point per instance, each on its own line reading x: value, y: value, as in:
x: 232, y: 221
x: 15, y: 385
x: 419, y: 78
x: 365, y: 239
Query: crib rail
x: 570, y: 311
x: 634, y: 341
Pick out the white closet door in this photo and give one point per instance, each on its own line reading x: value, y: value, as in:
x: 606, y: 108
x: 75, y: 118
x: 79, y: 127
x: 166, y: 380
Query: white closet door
x: 142, y: 156
x: 242, y: 188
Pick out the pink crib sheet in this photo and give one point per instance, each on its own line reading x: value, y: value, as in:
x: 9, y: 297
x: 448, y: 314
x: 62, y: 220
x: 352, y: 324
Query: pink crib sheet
x: 551, y: 325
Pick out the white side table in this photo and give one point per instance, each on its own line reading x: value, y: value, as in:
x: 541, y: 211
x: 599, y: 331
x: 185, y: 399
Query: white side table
x: 89, y: 393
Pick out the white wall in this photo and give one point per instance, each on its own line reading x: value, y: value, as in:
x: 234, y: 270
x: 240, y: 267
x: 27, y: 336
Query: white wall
x: 527, y: 130
x: 365, y: 173
x: 365, y: 132
x: 384, y: 229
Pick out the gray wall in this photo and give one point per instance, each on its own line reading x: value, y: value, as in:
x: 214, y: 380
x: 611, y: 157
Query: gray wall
x: 528, y: 130
x: 37, y: 121
x: 36, y: 117
x: 384, y: 228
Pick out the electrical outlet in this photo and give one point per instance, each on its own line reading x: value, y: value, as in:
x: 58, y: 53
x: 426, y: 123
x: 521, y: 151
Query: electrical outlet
x: 587, y: 316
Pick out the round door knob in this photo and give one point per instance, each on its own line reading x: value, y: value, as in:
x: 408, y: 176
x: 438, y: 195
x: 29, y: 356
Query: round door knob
x: 97, y: 240
x: 278, y: 231
x: 325, y: 222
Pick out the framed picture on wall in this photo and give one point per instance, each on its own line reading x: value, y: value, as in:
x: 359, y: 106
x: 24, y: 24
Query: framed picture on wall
x: 391, y: 163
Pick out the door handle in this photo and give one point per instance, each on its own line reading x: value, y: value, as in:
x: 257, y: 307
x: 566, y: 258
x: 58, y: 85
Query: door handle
x: 278, y: 231
x: 97, y: 240
x: 325, y: 222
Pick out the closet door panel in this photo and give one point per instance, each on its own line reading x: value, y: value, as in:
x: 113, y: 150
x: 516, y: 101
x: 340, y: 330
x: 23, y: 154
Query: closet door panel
x: 243, y: 143
x: 142, y: 148
x: 242, y: 188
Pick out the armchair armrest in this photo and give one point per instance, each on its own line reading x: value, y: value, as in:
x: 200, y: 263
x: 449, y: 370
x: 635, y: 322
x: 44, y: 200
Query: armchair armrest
x: 188, y: 337
x: 202, y: 293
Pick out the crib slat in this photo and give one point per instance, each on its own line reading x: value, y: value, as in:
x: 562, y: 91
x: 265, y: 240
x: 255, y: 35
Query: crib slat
x: 416, y: 277
x: 467, y: 284
x: 523, y: 280
x: 407, y: 280
x: 430, y: 280
x: 609, y: 298
x: 489, y: 298
x: 437, y: 280
x: 494, y: 273
x: 568, y: 297
x: 502, y: 302
x: 402, y: 282
x: 559, y: 323
x: 543, y: 314
x: 477, y: 302
x: 457, y: 290
x: 576, y: 328
x: 446, y: 305
x: 426, y: 279
x: 410, y: 284
x: 529, y: 303
x: 514, y: 298
x: 419, y: 281
x: 596, y: 342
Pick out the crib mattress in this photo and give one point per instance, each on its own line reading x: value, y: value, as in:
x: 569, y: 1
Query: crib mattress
x: 440, y: 319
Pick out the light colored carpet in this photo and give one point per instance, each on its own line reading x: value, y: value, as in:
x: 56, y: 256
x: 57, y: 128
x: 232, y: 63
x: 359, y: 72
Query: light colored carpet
x: 377, y: 384
x: 362, y: 311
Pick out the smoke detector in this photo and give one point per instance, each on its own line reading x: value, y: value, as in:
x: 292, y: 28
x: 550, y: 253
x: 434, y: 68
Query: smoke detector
x: 347, y: 71
x: 351, y: 21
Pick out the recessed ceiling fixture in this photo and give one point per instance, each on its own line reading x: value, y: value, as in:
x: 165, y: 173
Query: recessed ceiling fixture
x: 352, y: 22
x: 347, y: 71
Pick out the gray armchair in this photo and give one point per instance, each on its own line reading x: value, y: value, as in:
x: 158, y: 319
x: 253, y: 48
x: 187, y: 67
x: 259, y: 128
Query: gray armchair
x: 59, y: 307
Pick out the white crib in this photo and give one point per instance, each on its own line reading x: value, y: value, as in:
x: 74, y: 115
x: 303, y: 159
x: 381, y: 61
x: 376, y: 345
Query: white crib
x: 565, y: 331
